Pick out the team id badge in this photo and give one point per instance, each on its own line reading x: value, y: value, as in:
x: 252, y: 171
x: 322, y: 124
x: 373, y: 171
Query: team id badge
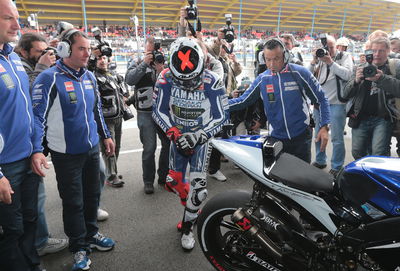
x: 270, y: 93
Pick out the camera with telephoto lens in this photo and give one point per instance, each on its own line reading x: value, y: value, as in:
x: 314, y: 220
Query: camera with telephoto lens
x: 229, y: 31
x: 191, y: 10
x: 103, y: 46
x: 369, y: 69
x: 321, y: 52
x: 158, y: 57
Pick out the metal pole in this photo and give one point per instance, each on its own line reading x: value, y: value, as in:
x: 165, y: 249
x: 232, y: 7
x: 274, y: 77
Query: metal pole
x: 195, y: 21
x: 394, y: 22
x: 144, y: 21
x: 84, y: 15
x: 239, y: 35
x: 37, y: 22
x: 313, y: 21
x: 279, y: 17
x: 344, y: 20
x: 369, y: 26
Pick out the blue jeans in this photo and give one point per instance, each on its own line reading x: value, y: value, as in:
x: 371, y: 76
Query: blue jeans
x: 79, y: 188
x: 338, y: 121
x: 18, y: 219
x: 299, y: 146
x: 148, y: 136
x: 374, y: 134
x: 42, y: 231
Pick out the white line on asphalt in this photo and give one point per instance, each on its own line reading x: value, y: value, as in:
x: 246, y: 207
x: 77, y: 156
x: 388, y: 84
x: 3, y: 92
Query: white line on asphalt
x: 122, y: 152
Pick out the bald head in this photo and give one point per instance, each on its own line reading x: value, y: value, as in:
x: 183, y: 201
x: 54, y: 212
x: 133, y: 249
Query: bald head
x: 8, y: 21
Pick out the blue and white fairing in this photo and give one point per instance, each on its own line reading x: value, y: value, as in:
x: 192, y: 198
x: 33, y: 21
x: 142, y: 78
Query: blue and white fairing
x: 246, y: 152
x: 379, y: 182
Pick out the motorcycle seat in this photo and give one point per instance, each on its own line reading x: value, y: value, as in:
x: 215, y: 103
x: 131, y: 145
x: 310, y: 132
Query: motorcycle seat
x: 298, y: 174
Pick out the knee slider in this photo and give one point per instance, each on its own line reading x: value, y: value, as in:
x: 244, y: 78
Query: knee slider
x: 200, y: 192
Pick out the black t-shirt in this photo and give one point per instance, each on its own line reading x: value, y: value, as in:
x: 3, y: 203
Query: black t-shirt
x: 370, y: 105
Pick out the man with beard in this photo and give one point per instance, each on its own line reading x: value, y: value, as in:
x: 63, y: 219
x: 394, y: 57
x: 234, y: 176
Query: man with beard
x: 30, y: 49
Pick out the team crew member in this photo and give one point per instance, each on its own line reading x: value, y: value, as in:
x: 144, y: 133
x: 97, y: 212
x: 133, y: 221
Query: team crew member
x: 190, y: 106
x: 283, y: 87
x: 18, y: 184
x: 68, y: 114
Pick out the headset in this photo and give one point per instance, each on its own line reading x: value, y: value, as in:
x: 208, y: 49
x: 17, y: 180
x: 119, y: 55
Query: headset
x: 286, y: 53
x: 64, y: 47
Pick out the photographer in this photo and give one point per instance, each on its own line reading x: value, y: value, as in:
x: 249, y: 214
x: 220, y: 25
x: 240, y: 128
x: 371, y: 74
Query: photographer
x: 142, y: 74
x: 35, y: 54
x: 113, y: 92
x: 290, y: 43
x: 370, y: 93
x: 332, y: 68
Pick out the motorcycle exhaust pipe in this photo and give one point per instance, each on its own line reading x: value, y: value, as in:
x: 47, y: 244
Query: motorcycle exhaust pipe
x: 240, y: 219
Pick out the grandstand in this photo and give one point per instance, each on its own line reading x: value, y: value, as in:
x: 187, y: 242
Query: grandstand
x: 345, y: 16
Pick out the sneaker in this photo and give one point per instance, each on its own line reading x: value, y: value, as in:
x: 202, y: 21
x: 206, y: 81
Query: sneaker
x: 114, y: 181
x: 53, y: 245
x: 218, y: 176
x: 315, y: 164
x: 100, y: 242
x: 148, y: 188
x: 102, y: 215
x: 81, y: 261
x: 187, y: 241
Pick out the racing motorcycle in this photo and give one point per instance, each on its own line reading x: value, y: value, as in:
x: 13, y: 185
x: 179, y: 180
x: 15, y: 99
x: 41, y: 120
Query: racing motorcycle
x: 299, y: 217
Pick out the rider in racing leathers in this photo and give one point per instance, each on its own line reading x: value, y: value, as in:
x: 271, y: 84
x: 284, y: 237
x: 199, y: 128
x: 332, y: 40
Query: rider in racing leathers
x: 190, y: 105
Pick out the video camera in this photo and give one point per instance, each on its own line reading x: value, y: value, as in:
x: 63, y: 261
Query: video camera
x: 369, y: 69
x: 103, y: 46
x: 62, y: 26
x: 229, y: 30
x: 321, y: 52
x: 158, y: 57
x: 191, y: 10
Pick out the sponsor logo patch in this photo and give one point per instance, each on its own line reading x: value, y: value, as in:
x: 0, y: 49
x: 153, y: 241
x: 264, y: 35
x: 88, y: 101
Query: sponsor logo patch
x: 270, y: 88
x: 69, y: 86
x: 207, y: 80
x: 2, y: 68
x: 20, y: 68
x: 8, y: 81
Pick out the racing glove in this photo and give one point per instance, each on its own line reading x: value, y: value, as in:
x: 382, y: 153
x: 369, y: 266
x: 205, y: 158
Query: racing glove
x: 173, y: 133
x: 190, y: 140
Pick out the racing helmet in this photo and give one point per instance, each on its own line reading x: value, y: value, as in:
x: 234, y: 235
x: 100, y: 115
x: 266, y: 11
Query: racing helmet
x: 186, y: 63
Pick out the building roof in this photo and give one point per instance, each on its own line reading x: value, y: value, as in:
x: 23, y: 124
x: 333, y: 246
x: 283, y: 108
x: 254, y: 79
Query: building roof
x: 359, y: 15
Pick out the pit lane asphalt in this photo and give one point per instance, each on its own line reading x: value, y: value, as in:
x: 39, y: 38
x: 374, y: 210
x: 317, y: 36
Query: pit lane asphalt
x: 143, y: 226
